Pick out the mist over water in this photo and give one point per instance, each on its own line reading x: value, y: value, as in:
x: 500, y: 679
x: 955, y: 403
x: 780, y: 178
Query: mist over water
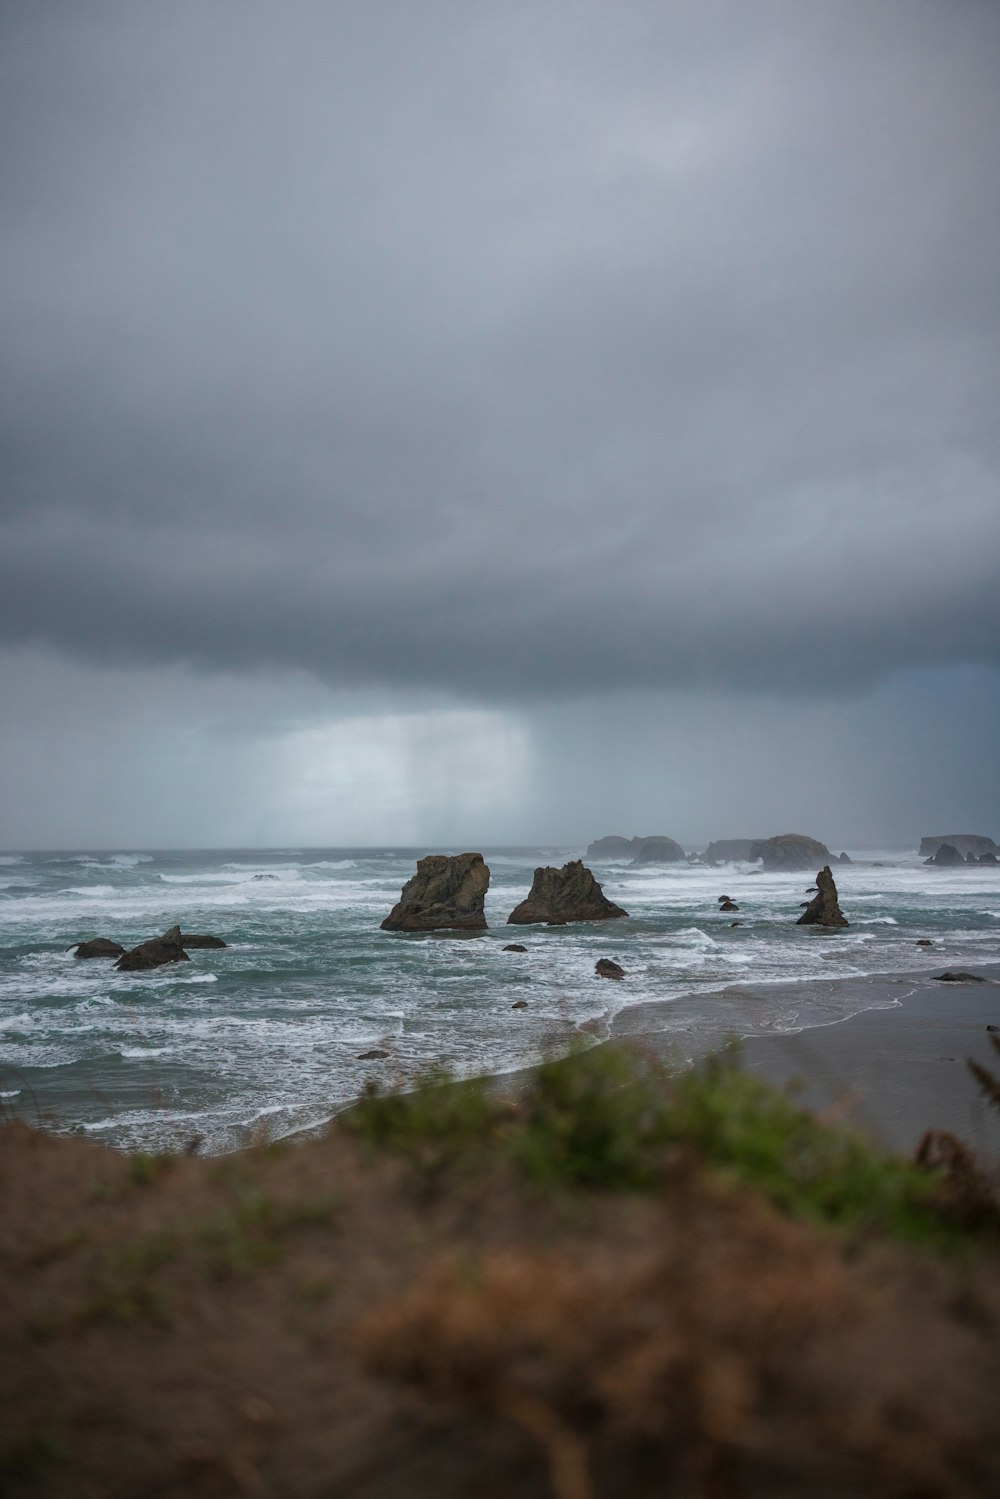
x: 267, y: 1033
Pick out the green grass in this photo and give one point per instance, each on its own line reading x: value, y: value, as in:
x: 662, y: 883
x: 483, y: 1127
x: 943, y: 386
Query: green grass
x: 616, y: 1120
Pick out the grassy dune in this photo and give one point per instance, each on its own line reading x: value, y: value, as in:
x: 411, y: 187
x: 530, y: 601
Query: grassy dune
x: 620, y: 1283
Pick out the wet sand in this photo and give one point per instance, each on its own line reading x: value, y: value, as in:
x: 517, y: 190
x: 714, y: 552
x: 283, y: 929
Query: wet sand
x: 893, y: 1071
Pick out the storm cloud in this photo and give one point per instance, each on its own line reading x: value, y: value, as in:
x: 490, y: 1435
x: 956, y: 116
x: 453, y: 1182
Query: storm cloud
x: 508, y: 351
x: 443, y: 422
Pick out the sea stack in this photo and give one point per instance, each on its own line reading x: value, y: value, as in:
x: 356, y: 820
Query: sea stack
x: 561, y: 895
x: 823, y: 909
x: 445, y: 894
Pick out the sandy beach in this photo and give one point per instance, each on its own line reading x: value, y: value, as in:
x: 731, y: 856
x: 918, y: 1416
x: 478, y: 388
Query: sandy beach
x: 895, y: 1070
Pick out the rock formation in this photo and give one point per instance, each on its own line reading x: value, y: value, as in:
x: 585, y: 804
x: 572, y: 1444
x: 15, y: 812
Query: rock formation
x: 515, y: 947
x: 728, y: 905
x: 965, y: 843
x: 988, y: 859
x: 445, y: 894
x: 98, y: 947
x: 959, y: 977
x: 614, y: 846
x: 154, y: 953
x: 790, y: 851
x: 607, y: 968
x: 945, y: 856
x: 824, y: 909
x: 567, y: 894
x: 654, y: 848
x: 658, y: 850
x: 728, y: 850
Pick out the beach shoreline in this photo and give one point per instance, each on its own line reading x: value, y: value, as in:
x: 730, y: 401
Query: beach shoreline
x: 894, y: 1066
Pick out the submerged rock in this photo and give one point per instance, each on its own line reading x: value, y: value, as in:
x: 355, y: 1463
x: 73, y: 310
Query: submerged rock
x: 959, y: 977
x: 154, y: 953
x: 790, y: 851
x: 519, y: 1004
x: 375, y: 1055
x: 561, y: 895
x: 98, y: 947
x: 200, y: 939
x: 515, y: 947
x: 445, y: 894
x: 824, y: 908
x: 607, y: 968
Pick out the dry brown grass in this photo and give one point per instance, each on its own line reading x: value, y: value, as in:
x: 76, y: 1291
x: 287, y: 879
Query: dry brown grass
x: 301, y: 1323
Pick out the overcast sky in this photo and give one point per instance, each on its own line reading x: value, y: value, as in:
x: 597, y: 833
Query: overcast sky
x: 454, y: 423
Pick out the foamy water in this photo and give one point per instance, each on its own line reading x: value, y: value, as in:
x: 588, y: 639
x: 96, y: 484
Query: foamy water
x: 269, y: 1029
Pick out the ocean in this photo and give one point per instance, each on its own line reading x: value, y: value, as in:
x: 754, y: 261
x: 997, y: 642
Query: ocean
x: 264, y: 1038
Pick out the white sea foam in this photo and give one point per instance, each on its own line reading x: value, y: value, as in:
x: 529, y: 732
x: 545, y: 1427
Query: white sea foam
x: 11, y: 858
x: 129, y: 861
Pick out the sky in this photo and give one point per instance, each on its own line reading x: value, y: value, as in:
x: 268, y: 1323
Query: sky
x: 461, y: 424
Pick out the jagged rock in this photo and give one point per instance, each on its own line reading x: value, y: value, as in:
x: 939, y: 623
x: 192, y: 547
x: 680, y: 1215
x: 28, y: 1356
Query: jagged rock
x: 515, y: 947
x: 614, y: 846
x: 375, y: 1055
x: 98, y: 947
x: 945, y: 856
x: 607, y: 968
x: 823, y: 909
x: 988, y: 859
x: 789, y: 851
x: 729, y: 851
x: 154, y: 953
x: 959, y: 978
x: 200, y: 939
x: 844, y: 859
x: 970, y: 858
x: 445, y: 894
x: 965, y: 843
x: 567, y: 894
x: 658, y: 850
x: 729, y: 905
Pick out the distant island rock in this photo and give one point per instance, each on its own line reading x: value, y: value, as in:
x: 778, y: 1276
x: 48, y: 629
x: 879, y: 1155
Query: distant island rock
x: 653, y: 848
x: 154, y: 953
x: 729, y: 850
x: 945, y: 856
x: 445, y: 894
x: 824, y: 908
x: 613, y: 847
x: 962, y: 843
x: 790, y: 851
x: 562, y: 895
x: 658, y: 850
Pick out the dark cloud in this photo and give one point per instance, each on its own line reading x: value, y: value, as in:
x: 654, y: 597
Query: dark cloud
x: 504, y: 350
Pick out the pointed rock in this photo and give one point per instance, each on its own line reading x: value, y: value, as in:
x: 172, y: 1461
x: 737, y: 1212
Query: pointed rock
x: 445, y: 894
x: 154, y: 953
x: 568, y: 894
x: 823, y: 909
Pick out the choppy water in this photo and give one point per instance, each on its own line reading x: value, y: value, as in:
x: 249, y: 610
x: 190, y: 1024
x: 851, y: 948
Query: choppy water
x: 266, y: 1034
